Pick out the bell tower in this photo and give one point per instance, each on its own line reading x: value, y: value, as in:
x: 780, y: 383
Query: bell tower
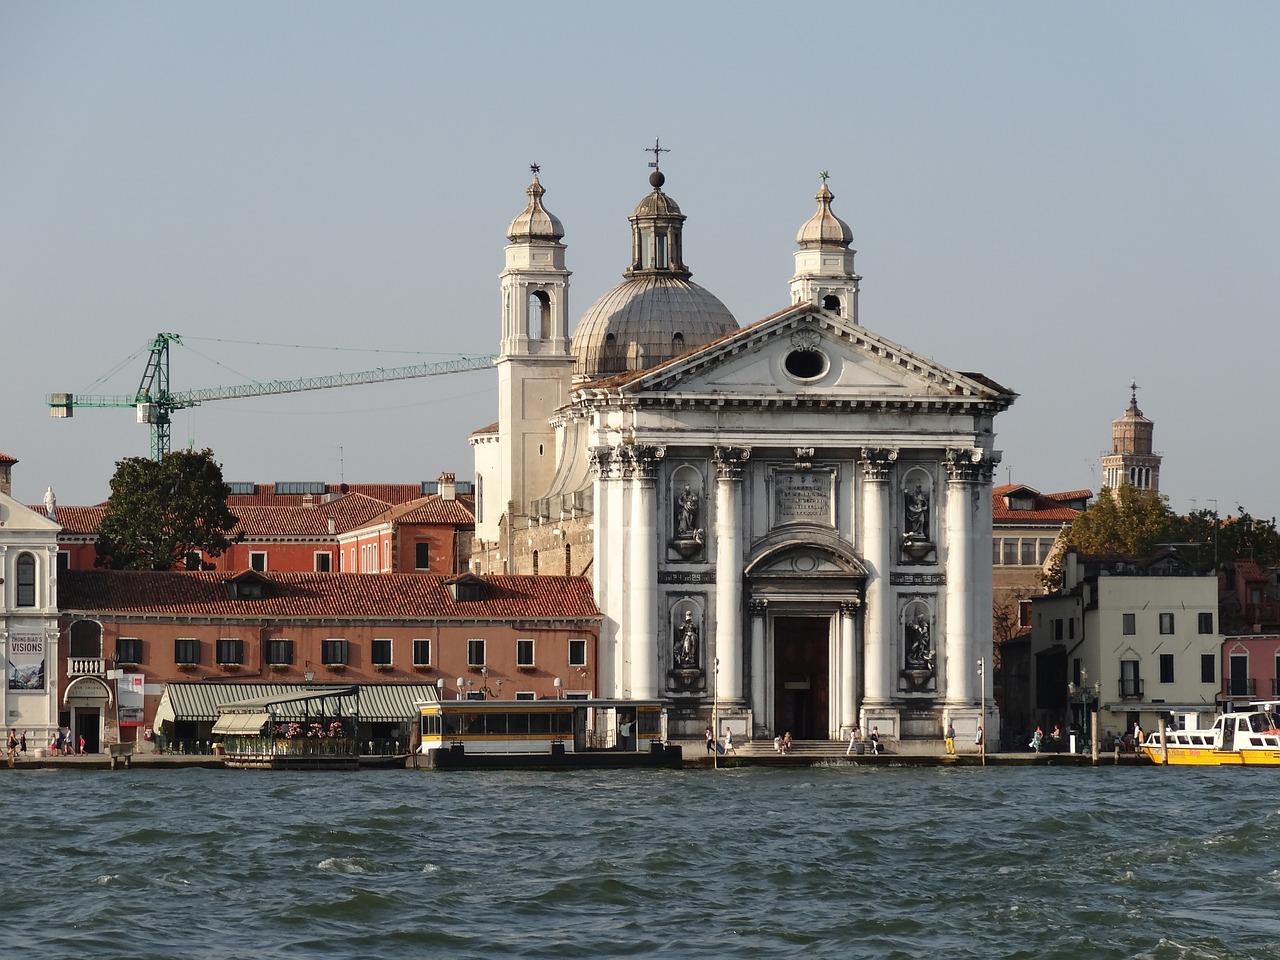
x: 1131, y: 460
x: 535, y: 365
x: 824, y: 263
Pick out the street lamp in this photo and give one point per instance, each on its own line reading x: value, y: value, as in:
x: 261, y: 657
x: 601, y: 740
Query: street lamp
x: 1087, y: 696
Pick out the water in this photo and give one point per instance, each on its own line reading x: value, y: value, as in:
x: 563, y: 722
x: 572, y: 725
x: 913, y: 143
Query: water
x: 839, y: 862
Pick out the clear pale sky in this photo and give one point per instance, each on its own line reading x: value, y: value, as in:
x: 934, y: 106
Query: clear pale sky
x: 1063, y: 197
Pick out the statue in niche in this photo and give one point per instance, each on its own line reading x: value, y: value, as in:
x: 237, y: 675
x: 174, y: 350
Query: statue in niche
x: 686, y: 642
x: 688, y: 537
x: 686, y: 513
x: 917, y: 525
x: 919, y: 649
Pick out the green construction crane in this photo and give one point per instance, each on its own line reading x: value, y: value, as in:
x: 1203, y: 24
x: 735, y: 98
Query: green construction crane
x: 155, y: 403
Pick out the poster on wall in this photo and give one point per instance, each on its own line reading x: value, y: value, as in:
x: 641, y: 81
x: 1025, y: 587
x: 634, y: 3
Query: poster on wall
x: 129, y: 699
x: 26, y: 662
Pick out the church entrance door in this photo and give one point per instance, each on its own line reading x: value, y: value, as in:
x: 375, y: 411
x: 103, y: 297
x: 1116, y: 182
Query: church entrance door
x: 801, y: 672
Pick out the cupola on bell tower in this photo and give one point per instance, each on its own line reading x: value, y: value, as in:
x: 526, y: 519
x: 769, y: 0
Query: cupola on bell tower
x: 824, y: 263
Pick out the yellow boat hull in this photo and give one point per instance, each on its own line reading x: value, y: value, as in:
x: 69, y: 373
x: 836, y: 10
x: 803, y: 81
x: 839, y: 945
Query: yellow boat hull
x: 1208, y: 757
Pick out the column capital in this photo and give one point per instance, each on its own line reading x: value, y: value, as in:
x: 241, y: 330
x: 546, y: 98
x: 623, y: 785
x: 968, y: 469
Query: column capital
x: 971, y: 464
x: 877, y: 462
x: 729, y: 461
x: 643, y: 460
x: 758, y: 606
x: 850, y: 607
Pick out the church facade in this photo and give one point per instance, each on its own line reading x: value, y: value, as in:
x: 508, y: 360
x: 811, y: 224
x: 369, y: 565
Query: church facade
x: 789, y: 523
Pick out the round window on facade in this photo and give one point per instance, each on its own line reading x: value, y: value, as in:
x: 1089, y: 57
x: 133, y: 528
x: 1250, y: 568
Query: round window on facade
x: 806, y: 364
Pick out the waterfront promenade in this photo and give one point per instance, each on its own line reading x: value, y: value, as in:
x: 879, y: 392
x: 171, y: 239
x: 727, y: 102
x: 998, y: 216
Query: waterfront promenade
x: 807, y: 753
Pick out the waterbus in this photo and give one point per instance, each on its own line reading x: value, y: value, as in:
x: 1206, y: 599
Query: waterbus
x: 459, y: 733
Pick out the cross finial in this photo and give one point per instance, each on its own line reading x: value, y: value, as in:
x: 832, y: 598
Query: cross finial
x: 535, y: 168
x: 657, y: 149
x: 1133, y: 387
x: 823, y: 175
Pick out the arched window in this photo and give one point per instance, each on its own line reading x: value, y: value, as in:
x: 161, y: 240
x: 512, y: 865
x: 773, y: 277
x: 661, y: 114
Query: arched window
x: 677, y: 344
x: 539, y: 314
x: 26, y: 570
x: 831, y: 302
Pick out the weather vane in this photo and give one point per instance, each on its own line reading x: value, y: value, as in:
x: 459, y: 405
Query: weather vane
x: 656, y: 149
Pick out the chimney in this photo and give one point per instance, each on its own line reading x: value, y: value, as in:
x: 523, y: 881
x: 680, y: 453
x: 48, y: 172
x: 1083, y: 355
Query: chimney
x: 332, y: 527
x: 448, y: 486
x: 6, y: 467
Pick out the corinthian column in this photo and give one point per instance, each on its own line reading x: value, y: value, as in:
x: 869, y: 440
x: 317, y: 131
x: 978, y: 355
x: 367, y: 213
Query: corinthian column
x: 759, y: 709
x: 877, y: 551
x: 848, y: 668
x: 642, y: 573
x: 961, y: 644
x: 729, y: 462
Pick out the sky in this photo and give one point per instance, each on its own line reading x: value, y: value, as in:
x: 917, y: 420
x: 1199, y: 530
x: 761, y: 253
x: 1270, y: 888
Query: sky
x: 1063, y: 197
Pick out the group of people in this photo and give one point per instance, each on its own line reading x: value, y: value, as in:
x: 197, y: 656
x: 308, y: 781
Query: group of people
x: 783, y: 743
x: 63, y: 744
x: 1053, y: 743
x: 727, y: 748
x: 873, y: 738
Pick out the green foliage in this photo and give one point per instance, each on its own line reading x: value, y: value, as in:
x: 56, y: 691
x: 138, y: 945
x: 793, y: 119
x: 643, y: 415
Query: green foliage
x: 1129, y: 522
x: 1137, y: 523
x: 160, y: 513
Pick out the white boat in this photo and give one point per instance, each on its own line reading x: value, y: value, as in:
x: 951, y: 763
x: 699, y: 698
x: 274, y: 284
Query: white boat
x: 1243, y: 738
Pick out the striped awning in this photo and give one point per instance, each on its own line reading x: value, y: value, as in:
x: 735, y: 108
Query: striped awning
x: 379, y: 702
x: 243, y: 723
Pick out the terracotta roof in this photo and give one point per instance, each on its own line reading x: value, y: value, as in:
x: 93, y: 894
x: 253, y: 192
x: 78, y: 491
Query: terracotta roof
x: 5, y: 458
x: 431, y: 510
x: 1050, y: 509
x: 491, y: 428
x: 1250, y: 570
x: 281, y: 522
x: 390, y: 596
x: 75, y: 520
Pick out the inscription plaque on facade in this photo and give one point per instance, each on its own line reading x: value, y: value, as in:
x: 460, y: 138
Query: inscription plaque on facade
x: 917, y: 579
x: 802, y: 496
x: 682, y: 576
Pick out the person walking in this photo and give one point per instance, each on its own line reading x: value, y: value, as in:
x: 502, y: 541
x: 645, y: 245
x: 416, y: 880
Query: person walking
x: 711, y: 740
x: 875, y: 740
x: 950, y: 738
x: 12, y: 743
x: 855, y: 737
x: 1037, y: 739
x: 728, y: 743
x: 22, y: 742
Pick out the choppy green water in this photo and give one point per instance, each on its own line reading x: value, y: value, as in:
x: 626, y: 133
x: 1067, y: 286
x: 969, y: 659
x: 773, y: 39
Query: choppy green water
x: 829, y: 862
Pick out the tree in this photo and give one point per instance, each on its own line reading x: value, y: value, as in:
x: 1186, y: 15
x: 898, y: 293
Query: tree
x: 1127, y: 521
x: 163, y: 514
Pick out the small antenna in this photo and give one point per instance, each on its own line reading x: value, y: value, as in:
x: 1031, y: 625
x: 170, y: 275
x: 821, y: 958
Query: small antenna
x: 341, y: 466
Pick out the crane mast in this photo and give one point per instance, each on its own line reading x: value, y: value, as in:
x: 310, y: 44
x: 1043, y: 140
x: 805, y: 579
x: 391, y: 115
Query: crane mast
x: 155, y: 402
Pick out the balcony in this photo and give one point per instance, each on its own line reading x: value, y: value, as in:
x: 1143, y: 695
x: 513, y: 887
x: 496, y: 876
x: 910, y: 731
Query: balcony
x: 1131, y: 688
x: 1234, y: 687
x: 86, y: 667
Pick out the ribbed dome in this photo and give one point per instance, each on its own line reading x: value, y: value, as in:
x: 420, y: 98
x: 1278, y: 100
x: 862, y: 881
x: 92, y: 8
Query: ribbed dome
x: 645, y: 321
x: 824, y: 228
x: 535, y: 222
x: 657, y: 313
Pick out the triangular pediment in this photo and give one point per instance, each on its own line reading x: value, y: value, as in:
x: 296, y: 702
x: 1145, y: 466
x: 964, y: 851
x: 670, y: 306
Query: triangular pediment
x: 16, y: 516
x: 814, y: 354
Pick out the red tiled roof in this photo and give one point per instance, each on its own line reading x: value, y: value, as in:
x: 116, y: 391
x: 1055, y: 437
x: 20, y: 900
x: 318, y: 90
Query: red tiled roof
x: 324, y: 595
x: 1049, y: 509
x: 73, y: 520
x: 5, y: 458
x: 1250, y: 570
x: 281, y: 522
x: 491, y: 428
x: 431, y: 510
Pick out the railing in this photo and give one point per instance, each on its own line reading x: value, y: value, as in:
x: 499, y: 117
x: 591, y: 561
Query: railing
x: 1131, y: 688
x: 1240, y: 686
x: 290, y: 746
x: 86, y: 667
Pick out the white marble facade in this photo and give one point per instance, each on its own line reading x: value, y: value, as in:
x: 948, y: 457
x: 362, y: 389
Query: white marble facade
x: 791, y: 522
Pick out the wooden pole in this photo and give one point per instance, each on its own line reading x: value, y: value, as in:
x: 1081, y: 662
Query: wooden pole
x: 1094, y: 738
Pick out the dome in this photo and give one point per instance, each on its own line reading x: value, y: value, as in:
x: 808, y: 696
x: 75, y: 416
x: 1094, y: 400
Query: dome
x: 535, y: 222
x: 824, y: 228
x: 644, y: 321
